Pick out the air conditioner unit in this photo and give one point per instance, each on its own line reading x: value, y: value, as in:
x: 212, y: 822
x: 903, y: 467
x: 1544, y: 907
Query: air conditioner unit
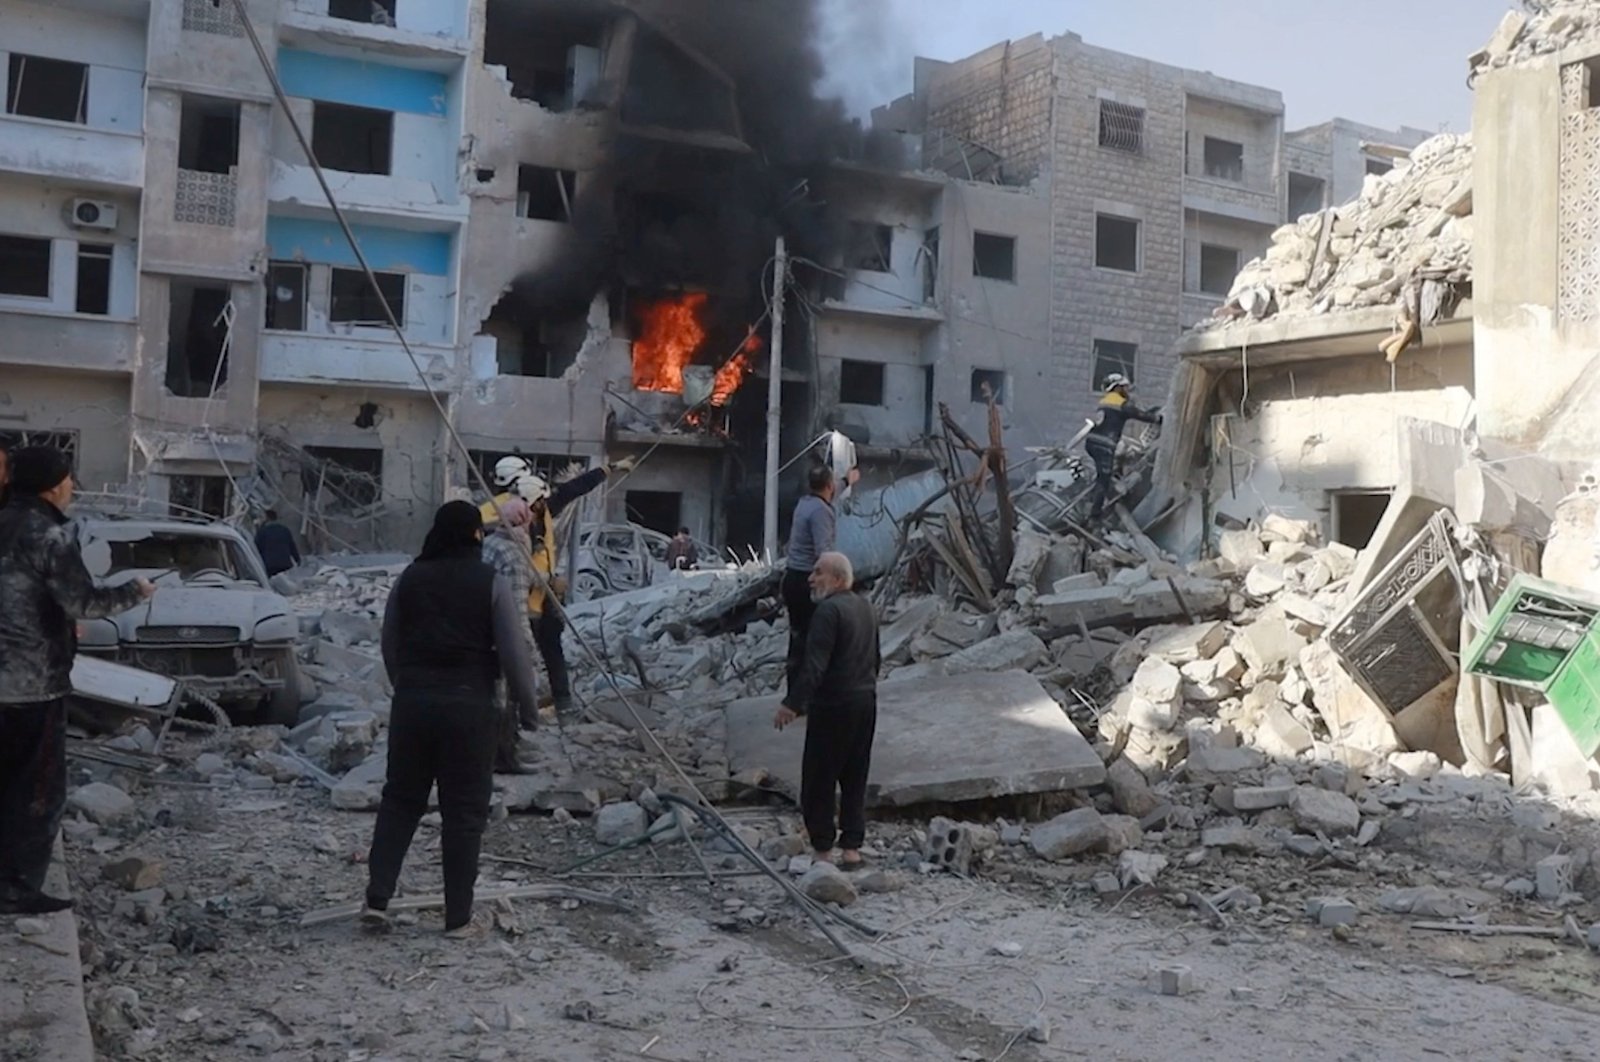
x: 92, y: 214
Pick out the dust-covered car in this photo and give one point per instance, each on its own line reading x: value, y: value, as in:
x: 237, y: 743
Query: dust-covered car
x: 215, y: 622
x: 616, y: 558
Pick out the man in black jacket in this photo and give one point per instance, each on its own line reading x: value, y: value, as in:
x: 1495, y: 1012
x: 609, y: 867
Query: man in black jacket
x: 44, y: 590
x: 837, y: 690
x: 276, y: 545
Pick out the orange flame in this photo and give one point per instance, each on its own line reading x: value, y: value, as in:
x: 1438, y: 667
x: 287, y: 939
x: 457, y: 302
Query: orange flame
x: 671, y: 334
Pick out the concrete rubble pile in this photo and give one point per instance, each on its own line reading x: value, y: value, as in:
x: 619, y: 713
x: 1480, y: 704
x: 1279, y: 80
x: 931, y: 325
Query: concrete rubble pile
x: 1406, y: 241
x: 1545, y: 27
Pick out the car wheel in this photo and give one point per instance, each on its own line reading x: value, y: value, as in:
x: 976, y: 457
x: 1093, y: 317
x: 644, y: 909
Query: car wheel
x: 588, y: 587
x: 282, y: 706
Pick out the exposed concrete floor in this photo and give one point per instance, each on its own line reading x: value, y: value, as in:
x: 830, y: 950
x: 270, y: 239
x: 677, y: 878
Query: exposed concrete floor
x: 941, y: 740
x: 714, y: 987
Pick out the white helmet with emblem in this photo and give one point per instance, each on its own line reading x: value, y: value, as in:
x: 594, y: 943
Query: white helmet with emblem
x: 1116, y: 380
x: 516, y: 475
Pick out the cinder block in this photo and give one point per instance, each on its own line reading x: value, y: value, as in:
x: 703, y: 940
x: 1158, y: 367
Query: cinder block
x: 1172, y: 980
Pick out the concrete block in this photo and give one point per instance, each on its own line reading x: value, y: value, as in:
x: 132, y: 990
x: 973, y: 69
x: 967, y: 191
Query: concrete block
x: 1073, y: 584
x: 1172, y: 980
x: 1552, y: 877
x: 616, y: 823
x: 1199, y: 643
x: 1300, y: 607
x: 1265, y: 580
x: 101, y: 803
x: 826, y: 883
x: 1276, y: 528
x: 362, y: 788
x: 1418, y: 766
x: 1281, y: 734
x: 1157, y: 695
x: 1268, y: 644
x: 1321, y: 811
x: 1073, y: 833
x: 1130, y: 792
x: 1122, y: 833
x: 1242, y: 549
x: 1016, y: 650
x: 952, y: 845
x: 894, y: 640
x: 1332, y: 911
x: 1261, y: 798
x: 1139, y: 868
x: 1214, y: 761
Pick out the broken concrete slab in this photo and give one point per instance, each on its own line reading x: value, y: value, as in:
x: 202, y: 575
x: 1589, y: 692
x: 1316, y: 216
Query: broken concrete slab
x: 1073, y: 833
x: 925, y: 749
x: 1151, y: 603
x: 894, y: 640
x: 1157, y: 695
x: 1203, y: 641
x: 1324, y: 811
x: 362, y: 788
x: 1269, y: 643
x: 1015, y: 650
x: 101, y: 802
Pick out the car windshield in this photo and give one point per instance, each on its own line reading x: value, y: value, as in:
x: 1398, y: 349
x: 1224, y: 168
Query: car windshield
x: 188, y: 555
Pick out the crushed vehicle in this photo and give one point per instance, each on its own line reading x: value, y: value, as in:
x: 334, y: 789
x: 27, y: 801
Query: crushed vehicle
x: 216, y: 625
x: 615, y: 558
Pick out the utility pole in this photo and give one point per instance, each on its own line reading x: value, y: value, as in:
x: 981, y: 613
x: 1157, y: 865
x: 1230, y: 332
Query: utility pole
x: 780, y: 286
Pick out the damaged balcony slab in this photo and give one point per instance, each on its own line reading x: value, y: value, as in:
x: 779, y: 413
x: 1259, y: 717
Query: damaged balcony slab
x: 925, y: 750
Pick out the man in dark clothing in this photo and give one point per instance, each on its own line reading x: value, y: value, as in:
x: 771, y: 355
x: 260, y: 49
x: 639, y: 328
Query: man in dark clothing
x: 1115, y: 410
x: 276, y: 545
x: 5, y: 476
x: 451, y: 628
x: 44, y: 590
x: 681, y: 552
x: 837, y: 690
x: 514, y: 476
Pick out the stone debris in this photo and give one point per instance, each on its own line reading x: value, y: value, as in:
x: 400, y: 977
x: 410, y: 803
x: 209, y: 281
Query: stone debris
x: 1405, y: 242
x: 826, y: 883
x: 1172, y: 980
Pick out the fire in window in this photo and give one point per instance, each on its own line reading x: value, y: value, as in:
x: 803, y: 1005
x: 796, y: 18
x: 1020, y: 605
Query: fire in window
x: 55, y: 89
x: 198, y: 325
x: 356, y: 302
x: 352, y: 139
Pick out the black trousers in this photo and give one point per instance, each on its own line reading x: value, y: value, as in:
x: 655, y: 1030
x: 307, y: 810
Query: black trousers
x: 838, y: 756
x: 547, y: 628
x: 448, y: 737
x: 796, y: 588
x: 1103, y: 452
x: 33, y: 791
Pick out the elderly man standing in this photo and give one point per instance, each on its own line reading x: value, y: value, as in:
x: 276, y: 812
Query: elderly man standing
x: 836, y: 689
x: 44, y: 590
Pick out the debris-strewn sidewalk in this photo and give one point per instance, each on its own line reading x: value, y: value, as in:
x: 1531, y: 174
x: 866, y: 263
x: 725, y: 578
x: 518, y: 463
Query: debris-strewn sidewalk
x: 42, y: 1014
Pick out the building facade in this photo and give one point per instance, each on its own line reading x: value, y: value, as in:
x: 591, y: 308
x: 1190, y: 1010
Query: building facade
x: 1161, y: 183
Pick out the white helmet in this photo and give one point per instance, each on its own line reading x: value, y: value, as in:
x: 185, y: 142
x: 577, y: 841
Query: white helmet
x: 1116, y: 380
x: 516, y: 475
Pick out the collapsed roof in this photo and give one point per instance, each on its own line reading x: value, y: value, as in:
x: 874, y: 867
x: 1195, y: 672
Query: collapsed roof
x: 1545, y: 27
x: 1407, y: 242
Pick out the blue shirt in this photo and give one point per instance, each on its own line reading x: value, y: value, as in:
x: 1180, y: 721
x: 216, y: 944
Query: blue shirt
x: 812, y: 533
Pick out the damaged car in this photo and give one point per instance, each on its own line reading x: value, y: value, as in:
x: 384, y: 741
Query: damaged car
x: 215, y: 624
x: 616, y: 558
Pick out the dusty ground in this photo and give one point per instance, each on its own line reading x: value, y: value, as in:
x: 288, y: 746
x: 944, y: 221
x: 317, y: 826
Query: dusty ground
x: 222, y: 970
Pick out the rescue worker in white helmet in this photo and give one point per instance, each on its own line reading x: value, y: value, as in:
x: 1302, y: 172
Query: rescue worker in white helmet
x: 515, y: 477
x: 1116, y: 409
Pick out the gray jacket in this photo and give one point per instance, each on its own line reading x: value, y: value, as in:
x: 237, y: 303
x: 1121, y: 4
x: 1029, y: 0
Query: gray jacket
x: 44, y: 590
x: 812, y: 533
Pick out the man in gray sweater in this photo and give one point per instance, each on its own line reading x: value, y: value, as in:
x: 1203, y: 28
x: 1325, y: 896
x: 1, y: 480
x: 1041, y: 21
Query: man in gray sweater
x: 837, y: 690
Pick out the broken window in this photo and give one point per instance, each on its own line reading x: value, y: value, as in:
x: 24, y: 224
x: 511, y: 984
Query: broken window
x: 1306, y: 194
x: 551, y: 56
x: 861, y: 383
x: 553, y: 467
x: 1113, y: 357
x: 546, y: 194
x: 1224, y: 159
x: 376, y: 12
x: 65, y: 440
x: 25, y: 267
x: 56, y: 89
x: 286, y: 296
x: 1121, y: 127
x: 1356, y: 515
x: 930, y: 271
x: 1378, y: 167
x: 356, y: 302
x: 529, y: 343
x: 1218, y: 267
x: 197, y: 337
x: 987, y: 382
x: 198, y: 495
x: 94, y: 278
x: 994, y: 257
x: 208, y: 135
x: 871, y: 247
x: 352, y: 139
x: 659, y: 510
x: 1116, y: 243
x: 344, y: 477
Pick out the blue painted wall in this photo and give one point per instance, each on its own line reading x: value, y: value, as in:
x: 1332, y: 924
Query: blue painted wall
x: 359, y: 84
x: 388, y: 250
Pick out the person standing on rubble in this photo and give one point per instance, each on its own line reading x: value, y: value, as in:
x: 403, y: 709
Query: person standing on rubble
x: 836, y: 690
x: 682, y: 555
x: 509, y: 551
x: 450, y: 628
x: 276, y: 545
x: 514, y: 477
x: 811, y: 534
x: 1115, y: 410
x: 44, y: 590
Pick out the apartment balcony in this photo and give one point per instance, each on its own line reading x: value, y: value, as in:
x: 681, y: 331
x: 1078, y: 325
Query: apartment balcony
x: 883, y: 298
x: 87, y: 156
x: 1225, y: 196
x: 66, y: 341
x: 362, y: 193
x: 351, y: 361
x: 418, y: 29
